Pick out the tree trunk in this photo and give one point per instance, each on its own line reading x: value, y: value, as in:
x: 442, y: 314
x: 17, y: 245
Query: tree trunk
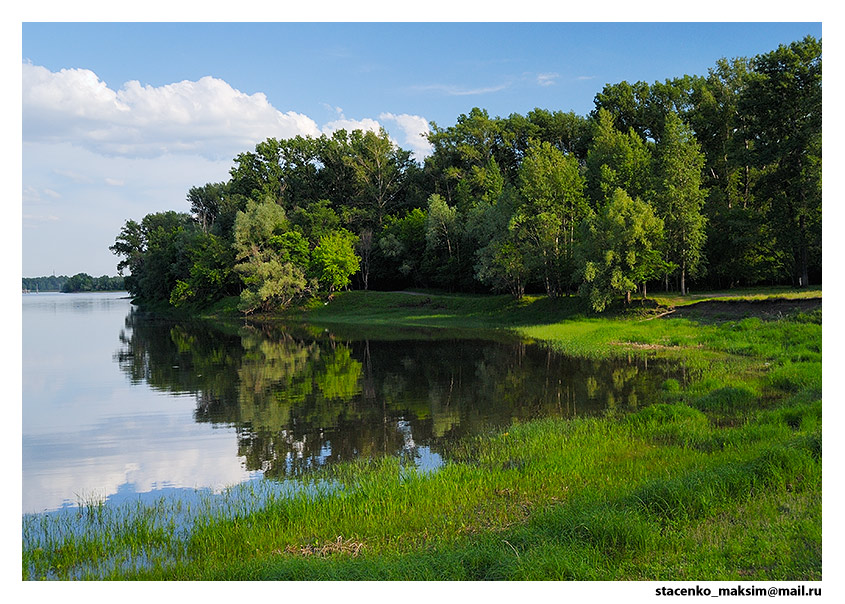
x: 644, y: 292
x: 628, y: 297
x: 683, y: 278
x: 805, y: 275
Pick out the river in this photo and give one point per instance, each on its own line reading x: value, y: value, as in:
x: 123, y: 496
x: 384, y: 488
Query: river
x: 119, y: 404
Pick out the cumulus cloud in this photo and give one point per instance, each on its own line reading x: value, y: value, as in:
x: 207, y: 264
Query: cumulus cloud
x: 207, y: 117
x: 349, y: 125
x: 415, y: 128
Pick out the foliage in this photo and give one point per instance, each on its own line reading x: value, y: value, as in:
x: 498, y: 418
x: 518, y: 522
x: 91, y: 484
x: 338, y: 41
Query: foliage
x: 52, y: 283
x: 334, y: 259
x: 729, y: 160
x: 784, y: 102
x: 620, y: 248
x: 264, y: 261
x: 679, y: 197
x: 553, y: 189
x: 156, y: 253
x: 83, y: 282
x: 617, y: 160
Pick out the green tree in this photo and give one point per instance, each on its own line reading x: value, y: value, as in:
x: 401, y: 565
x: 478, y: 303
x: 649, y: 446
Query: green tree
x: 401, y: 242
x: 783, y: 100
x: 80, y: 282
x: 739, y: 243
x: 155, y: 251
x: 377, y: 170
x: 553, y: 189
x: 334, y: 259
x: 212, y: 275
x: 617, y: 160
x: 680, y: 197
x: 503, y: 260
x: 272, y: 280
x: 205, y: 203
x: 284, y: 170
x: 619, y: 249
x: 626, y: 103
x: 461, y: 152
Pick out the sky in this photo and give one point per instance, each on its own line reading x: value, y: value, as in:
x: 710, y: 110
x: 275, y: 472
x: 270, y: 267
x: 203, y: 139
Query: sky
x: 122, y: 119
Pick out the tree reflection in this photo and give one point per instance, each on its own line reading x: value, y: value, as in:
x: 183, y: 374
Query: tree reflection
x: 300, y: 398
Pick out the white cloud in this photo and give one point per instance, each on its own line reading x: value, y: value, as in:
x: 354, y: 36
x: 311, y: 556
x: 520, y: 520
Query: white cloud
x: 415, y: 128
x: 40, y: 218
x: 451, y: 90
x: 207, y: 117
x: 547, y: 79
x: 349, y: 125
x: 39, y: 194
x: 94, y: 157
x: 70, y: 175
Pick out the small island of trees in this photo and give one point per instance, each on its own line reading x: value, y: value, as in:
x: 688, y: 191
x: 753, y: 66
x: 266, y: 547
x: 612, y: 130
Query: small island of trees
x: 713, y: 180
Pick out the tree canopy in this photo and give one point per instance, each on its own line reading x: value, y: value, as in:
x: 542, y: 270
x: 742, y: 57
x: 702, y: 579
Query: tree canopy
x: 713, y: 179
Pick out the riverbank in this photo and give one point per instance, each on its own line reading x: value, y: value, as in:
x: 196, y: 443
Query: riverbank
x: 717, y: 480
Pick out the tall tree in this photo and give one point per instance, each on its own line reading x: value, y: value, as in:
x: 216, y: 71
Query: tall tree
x: 378, y: 168
x: 273, y: 279
x: 617, y: 160
x: 284, y: 170
x: 156, y: 253
x: 619, y: 249
x: 680, y: 197
x: 470, y: 144
x: 205, y: 203
x: 334, y: 259
x: 553, y: 188
x: 740, y: 243
x: 784, y: 102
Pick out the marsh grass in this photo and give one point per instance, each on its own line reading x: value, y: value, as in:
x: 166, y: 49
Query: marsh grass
x: 718, y: 479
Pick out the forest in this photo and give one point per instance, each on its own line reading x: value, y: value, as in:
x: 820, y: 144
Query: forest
x: 80, y: 282
x: 704, y: 181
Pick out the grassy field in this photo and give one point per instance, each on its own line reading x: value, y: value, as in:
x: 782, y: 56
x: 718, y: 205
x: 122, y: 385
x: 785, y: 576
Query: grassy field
x: 720, y: 480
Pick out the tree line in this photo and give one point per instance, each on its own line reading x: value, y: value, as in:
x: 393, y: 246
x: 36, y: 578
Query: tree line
x: 713, y: 180
x: 80, y: 282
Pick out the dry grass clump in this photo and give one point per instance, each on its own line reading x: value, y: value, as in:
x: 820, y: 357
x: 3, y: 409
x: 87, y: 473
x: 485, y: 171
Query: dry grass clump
x: 338, y: 546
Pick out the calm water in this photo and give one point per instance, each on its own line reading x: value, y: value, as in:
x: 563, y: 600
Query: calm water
x: 117, y: 403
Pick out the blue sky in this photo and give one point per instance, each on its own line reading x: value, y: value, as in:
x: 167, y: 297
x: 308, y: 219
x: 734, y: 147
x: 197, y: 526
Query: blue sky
x: 121, y: 119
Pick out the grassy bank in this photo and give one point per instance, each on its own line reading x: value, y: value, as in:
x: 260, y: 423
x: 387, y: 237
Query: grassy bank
x: 720, y: 480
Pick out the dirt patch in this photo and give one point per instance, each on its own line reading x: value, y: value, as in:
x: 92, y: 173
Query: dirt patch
x: 773, y: 308
x: 640, y: 346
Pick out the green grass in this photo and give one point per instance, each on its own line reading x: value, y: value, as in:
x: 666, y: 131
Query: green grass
x: 717, y: 480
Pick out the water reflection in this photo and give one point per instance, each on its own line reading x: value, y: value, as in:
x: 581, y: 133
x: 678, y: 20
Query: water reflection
x: 299, y: 398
